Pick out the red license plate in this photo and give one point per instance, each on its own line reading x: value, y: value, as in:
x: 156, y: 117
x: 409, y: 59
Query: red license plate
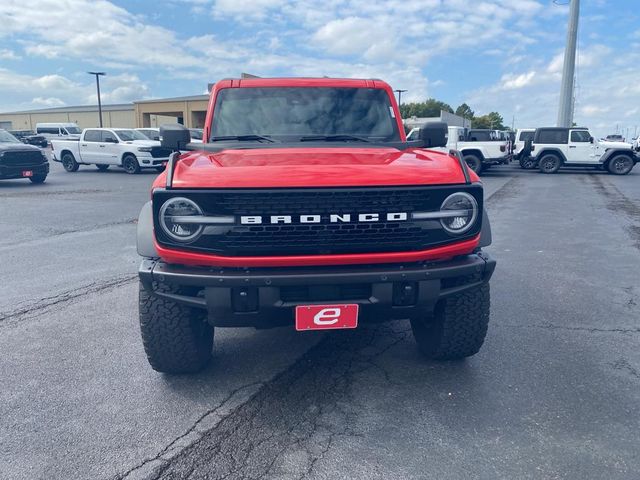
x: 27, y: 173
x: 326, y: 317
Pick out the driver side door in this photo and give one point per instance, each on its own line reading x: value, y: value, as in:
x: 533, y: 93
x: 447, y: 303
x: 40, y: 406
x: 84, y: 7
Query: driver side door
x: 109, y: 149
x: 580, y: 148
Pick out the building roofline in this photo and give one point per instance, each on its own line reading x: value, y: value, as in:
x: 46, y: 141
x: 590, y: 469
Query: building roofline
x: 74, y: 108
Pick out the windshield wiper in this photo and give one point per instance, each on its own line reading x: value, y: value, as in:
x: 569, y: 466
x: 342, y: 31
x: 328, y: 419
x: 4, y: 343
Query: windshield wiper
x: 242, y: 138
x: 334, y: 138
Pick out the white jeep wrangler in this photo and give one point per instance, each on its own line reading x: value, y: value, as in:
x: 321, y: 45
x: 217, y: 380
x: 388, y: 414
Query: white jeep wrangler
x: 556, y: 147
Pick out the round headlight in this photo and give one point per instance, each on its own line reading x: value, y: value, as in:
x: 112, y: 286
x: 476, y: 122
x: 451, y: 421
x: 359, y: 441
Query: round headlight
x: 174, y: 220
x: 460, y: 211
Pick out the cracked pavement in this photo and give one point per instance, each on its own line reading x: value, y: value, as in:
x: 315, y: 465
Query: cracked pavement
x: 555, y: 392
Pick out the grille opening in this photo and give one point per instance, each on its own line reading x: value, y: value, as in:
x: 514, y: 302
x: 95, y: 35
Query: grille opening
x: 22, y: 158
x: 322, y: 293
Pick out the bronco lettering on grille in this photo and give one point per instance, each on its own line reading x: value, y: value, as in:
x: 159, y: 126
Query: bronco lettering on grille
x: 331, y: 218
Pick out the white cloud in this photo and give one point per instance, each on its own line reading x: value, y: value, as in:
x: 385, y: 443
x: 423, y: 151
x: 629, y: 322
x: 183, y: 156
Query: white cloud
x: 48, y: 102
x: 511, y: 82
x: 6, y: 54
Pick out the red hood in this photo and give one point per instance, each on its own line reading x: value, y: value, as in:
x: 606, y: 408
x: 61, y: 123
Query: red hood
x: 314, y: 167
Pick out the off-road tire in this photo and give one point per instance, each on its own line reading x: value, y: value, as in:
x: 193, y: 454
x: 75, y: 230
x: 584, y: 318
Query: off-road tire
x: 549, y: 163
x: 527, y: 163
x: 620, y: 165
x: 38, y: 178
x: 474, y: 162
x: 130, y: 164
x: 176, y: 338
x: 102, y: 167
x: 457, y: 328
x: 69, y: 162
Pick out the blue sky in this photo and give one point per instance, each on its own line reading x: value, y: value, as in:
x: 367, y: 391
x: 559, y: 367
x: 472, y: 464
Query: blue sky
x: 503, y: 55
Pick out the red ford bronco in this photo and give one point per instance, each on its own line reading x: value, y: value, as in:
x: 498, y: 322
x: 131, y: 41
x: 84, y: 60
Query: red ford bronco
x: 305, y: 206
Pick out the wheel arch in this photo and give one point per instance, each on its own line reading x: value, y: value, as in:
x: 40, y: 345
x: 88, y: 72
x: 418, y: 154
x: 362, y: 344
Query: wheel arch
x: 125, y: 154
x: 555, y: 151
x: 473, y: 151
x: 612, y: 152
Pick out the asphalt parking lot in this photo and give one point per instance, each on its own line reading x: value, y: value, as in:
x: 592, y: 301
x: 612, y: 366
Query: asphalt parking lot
x: 555, y: 392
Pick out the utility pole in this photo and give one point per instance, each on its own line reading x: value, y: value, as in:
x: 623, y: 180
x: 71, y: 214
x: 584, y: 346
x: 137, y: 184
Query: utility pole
x: 98, y: 75
x: 565, y: 109
x: 399, y: 92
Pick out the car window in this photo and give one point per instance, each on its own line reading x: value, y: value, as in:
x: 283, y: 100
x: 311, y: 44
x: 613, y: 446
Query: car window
x: 51, y: 130
x: 553, y: 136
x: 92, y: 136
x: 580, y: 136
x: 108, y: 136
x: 130, y: 135
x: 524, y: 136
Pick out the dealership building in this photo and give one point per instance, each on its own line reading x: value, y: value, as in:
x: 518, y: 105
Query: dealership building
x: 190, y: 111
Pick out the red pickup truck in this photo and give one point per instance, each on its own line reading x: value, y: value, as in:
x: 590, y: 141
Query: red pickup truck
x: 305, y: 206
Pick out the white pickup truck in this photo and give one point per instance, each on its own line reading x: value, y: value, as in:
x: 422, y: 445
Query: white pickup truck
x: 479, y: 148
x: 104, y: 147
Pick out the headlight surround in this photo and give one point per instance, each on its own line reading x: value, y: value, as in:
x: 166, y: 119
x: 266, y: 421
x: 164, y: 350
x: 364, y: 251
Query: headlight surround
x: 180, y: 207
x: 145, y: 149
x: 464, y: 203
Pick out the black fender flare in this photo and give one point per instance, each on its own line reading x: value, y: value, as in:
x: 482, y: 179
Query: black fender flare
x: 485, y: 233
x: 144, y: 237
x: 612, y: 152
x: 473, y: 151
x: 555, y: 151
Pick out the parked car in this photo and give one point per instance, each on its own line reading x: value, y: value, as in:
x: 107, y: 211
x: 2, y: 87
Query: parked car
x: 28, y: 137
x: 58, y: 130
x: 18, y: 160
x: 557, y: 147
x: 151, y: 133
x: 614, y: 138
x: 479, y: 148
x: 343, y: 223
x: 522, y: 136
x: 196, y: 135
x: 104, y: 147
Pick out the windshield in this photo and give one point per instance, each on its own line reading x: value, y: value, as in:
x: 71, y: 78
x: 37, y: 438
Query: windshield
x: 196, y: 133
x: 6, y: 137
x: 73, y: 130
x: 130, y: 135
x: 290, y: 113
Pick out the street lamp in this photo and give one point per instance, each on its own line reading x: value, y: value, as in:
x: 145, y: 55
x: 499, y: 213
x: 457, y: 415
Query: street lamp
x: 399, y: 92
x: 98, y: 75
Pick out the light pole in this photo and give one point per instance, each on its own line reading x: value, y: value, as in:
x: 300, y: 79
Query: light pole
x: 565, y: 109
x: 98, y: 75
x: 399, y: 92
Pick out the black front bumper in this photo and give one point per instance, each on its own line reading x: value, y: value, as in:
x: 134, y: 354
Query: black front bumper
x: 266, y: 297
x: 13, y: 171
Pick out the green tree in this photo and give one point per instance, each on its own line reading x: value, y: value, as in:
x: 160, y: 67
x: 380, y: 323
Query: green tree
x: 429, y: 108
x: 492, y: 120
x: 465, y: 111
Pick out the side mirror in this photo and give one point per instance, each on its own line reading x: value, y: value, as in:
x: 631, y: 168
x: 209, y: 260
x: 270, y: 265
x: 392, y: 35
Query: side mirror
x: 174, y: 136
x: 110, y: 140
x: 434, y: 134
x: 590, y: 139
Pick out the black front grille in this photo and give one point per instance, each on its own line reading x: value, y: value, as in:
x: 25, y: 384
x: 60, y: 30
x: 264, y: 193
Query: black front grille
x: 318, y: 238
x: 22, y: 158
x: 159, y: 152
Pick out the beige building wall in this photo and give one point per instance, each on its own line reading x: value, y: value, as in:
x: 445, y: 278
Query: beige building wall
x: 28, y: 121
x: 151, y: 113
x: 192, y: 113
